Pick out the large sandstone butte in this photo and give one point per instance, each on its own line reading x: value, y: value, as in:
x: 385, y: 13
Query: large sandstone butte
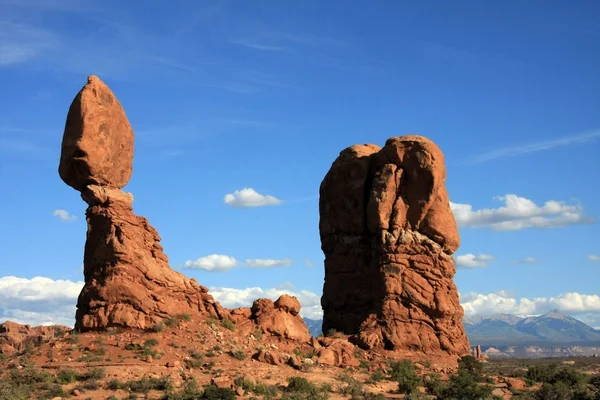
x: 388, y: 235
x: 128, y: 281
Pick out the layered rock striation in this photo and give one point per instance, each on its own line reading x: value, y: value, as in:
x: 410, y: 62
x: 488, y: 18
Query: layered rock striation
x: 388, y: 235
x: 128, y: 281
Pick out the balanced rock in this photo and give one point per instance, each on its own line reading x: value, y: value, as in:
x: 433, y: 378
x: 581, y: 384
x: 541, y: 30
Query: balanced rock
x: 97, y: 146
x: 388, y: 235
x: 128, y: 281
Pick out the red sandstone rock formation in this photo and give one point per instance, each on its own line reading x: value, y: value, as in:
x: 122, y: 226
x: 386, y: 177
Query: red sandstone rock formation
x: 388, y: 235
x: 15, y: 337
x: 280, y: 318
x: 128, y: 281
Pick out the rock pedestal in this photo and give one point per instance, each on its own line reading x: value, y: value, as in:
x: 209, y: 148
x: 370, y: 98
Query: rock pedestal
x: 388, y: 235
x: 128, y: 281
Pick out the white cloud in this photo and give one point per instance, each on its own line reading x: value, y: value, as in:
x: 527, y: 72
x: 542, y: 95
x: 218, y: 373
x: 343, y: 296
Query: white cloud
x: 473, y: 261
x: 593, y: 257
x: 539, y: 146
x: 308, y: 262
x: 38, y: 301
x: 248, y: 197
x: 213, y: 262
x: 64, y: 215
x: 267, y: 263
x: 502, y: 302
x: 220, y: 262
x: 519, y: 213
x: 526, y: 260
x: 231, y: 298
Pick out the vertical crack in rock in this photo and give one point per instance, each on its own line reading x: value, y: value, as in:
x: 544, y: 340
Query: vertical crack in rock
x: 388, y: 233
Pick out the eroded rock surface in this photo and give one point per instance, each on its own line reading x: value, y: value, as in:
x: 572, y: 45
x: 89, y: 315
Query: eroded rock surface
x: 280, y: 318
x: 97, y: 146
x: 388, y: 235
x: 128, y: 281
x: 16, y: 337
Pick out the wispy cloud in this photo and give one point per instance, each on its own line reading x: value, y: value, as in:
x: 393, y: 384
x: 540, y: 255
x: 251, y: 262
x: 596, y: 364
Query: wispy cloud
x: 520, y: 213
x: 64, y: 215
x: 538, y: 146
x: 470, y: 261
x: 526, y: 260
x: 21, y: 42
x: 594, y: 257
x: 258, y: 46
x: 249, y: 197
x: 221, y: 263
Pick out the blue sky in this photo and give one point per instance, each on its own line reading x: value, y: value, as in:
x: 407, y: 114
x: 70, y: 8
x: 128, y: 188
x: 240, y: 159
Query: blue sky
x: 224, y: 96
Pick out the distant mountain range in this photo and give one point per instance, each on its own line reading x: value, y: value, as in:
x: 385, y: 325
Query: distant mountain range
x: 551, y: 334
x: 551, y: 328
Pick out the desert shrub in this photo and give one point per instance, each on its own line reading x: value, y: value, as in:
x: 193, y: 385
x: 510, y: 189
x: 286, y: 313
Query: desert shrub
x: 150, y: 342
x: 238, y: 354
x: 405, y: 373
x: 267, y: 392
x: 331, y: 332
x: 159, y: 327
x: 541, y: 373
x: 377, y: 375
x: 244, y: 383
x: 195, y: 360
x: 92, y: 374
x: 66, y: 376
x: 472, y: 367
x: 227, y: 323
x: 55, y: 391
x: 258, y: 334
x: 433, y: 384
x: 353, y: 387
x: 12, y: 391
x: 29, y: 376
x: 212, y: 392
x: 465, y: 386
x: 174, y: 321
x: 143, y: 385
x: 554, y: 391
x: 299, y: 388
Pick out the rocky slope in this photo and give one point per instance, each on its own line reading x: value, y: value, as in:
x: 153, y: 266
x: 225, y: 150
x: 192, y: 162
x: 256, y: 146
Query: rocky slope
x: 388, y: 235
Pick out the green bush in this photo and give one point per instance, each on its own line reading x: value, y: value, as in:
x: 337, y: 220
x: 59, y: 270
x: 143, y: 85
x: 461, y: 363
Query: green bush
x: 238, y: 354
x: 174, y: 321
x: 66, y: 376
x: 267, y: 392
x: 465, y: 386
x: 554, y: 391
x: 472, y: 367
x: 405, y: 373
x: 212, y: 392
x: 244, y: 383
x: 377, y: 375
x: 299, y: 388
x: 227, y: 323
x: 433, y: 384
x: 353, y: 387
x: 150, y: 342
x: 143, y: 385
